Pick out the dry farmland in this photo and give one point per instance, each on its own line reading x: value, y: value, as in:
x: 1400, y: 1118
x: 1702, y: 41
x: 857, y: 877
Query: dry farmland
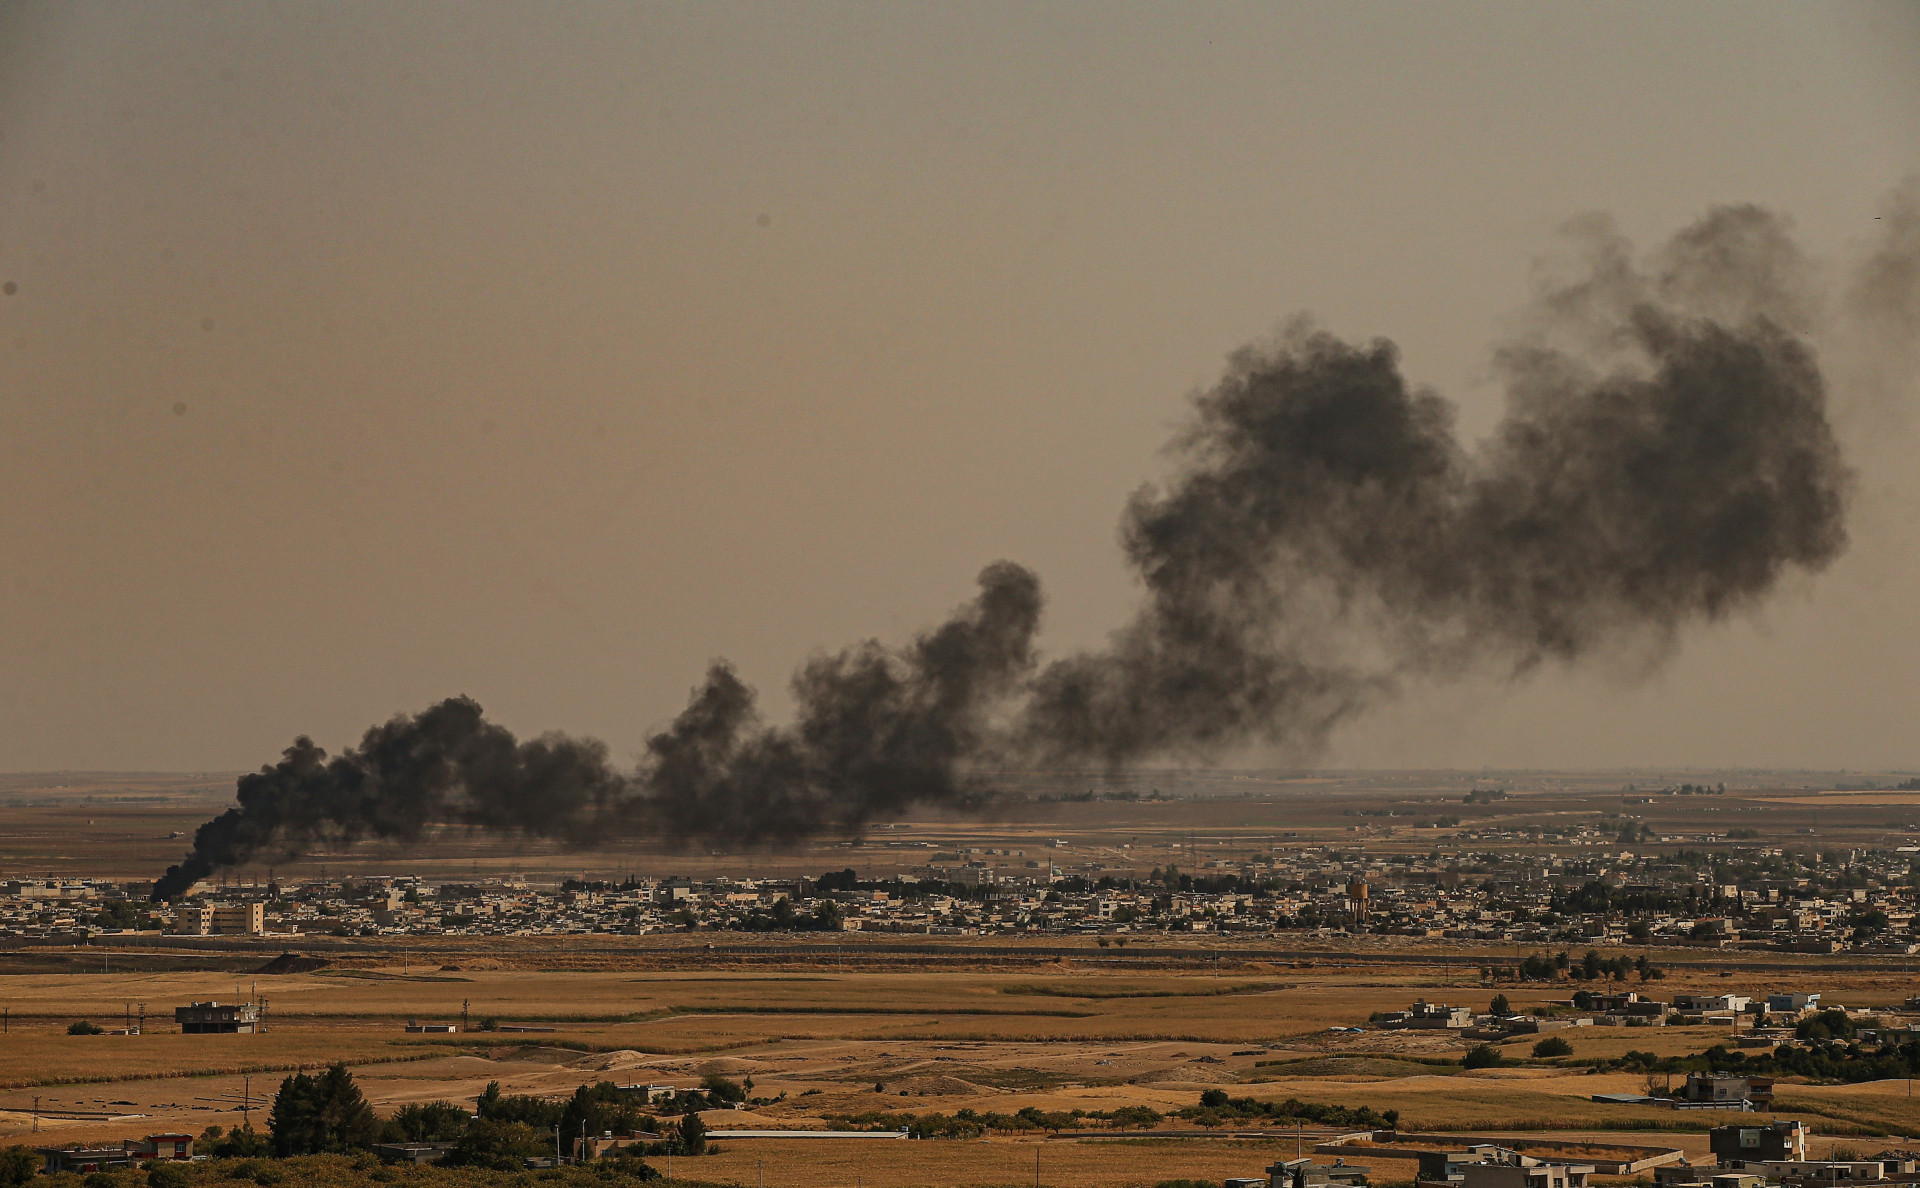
x: 821, y: 1044
x: 831, y: 1027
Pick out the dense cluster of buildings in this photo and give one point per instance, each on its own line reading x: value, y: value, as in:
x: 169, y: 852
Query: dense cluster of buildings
x: 1759, y: 1021
x: 1756, y: 897
x: 1745, y: 1155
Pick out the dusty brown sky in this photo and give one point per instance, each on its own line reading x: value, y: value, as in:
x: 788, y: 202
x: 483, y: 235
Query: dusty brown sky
x: 359, y: 354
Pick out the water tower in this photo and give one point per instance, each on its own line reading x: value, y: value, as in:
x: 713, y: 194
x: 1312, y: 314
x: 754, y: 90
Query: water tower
x: 1357, y: 903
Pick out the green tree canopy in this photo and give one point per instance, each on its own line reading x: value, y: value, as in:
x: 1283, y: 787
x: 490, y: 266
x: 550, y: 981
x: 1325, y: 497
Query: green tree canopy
x: 319, y: 1115
x: 425, y: 1122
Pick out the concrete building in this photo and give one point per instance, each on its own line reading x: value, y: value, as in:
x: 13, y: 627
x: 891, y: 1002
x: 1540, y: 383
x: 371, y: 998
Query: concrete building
x: 1424, y: 1014
x: 163, y: 1146
x: 1819, y: 1171
x: 606, y: 1144
x: 82, y: 1159
x: 1539, y: 1175
x: 1735, y: 1145
x: 245, y: 919
x: 1728, y: 1089
x: 205, y: 919
x: 85, y: 1159
x: 217, y: 1018
x: 1305, y: 1173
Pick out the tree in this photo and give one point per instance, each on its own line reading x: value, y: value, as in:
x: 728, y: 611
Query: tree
x: 164, y: 1174
x: 242, y: 1142
x: 693, y: 1134
x: 18, y: 1165
x: 1499, y: 1006
x: 1553, y: 1045
x: 719, y: 1088
x: 490, y: 1142
x: 1831, y: 1024
x: 428, y: 1122
x: 326, y: 1114
x: 1484, y: 1056
x: 82, y: 1027
x: 1136, y: 1116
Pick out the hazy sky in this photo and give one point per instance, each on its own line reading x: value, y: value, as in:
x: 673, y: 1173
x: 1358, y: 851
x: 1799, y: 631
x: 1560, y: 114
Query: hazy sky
x: 354, y: 355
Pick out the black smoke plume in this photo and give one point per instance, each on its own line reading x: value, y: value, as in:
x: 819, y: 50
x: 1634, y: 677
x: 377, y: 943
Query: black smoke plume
x: 878, y: 729
x: 1665, y: 459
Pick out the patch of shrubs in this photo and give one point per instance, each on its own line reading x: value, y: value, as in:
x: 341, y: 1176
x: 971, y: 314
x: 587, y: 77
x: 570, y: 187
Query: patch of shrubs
x: 1216, y: 1108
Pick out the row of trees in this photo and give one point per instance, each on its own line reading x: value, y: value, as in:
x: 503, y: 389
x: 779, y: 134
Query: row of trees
x: 971, y: 1124
x: 1844, y: 1062
x: 327, y: 1114
x: 1217, y: 1108
x: 1593, y: 967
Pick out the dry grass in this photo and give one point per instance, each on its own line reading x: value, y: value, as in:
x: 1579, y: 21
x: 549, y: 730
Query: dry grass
x: 975, y: 1038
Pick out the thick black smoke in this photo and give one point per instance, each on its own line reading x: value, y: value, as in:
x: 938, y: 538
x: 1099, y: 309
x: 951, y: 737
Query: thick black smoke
x: 1665, y: 459
x: 878, y: 729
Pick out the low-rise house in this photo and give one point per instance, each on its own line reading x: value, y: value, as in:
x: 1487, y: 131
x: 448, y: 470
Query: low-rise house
x: 607, y: 1143
x: 1737, y: 1145
x: 1424, y: 1014
x: 416, y: 1153
x: 85, y: 1159
x: 163, y: 1146
x: 217, y: 1018
x: 1524, y: 1175
x: 1305, y: 1173
x: 1729, y: 1089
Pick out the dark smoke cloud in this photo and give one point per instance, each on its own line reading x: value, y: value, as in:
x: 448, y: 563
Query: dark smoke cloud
x: 878, y: 730
x: 1665, y: 459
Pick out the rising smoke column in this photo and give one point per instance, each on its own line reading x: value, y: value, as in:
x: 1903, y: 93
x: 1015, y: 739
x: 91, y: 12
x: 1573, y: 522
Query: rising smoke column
x: 1665, y: 459
x: 878, y: 730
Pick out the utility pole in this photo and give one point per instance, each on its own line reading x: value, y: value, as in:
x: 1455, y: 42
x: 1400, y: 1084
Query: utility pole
x: 246, y: 1102
x: 463, y: 1016
x: 36, y: 1115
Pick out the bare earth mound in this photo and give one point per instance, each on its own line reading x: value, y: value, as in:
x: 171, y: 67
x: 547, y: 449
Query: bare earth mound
x: 294, y: 963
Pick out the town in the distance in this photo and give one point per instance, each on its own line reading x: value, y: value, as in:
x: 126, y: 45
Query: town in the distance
x: 1233, y: 979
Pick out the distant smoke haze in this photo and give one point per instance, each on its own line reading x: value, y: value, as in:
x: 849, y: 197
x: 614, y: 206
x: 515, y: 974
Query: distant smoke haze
x: 1665, y: 459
